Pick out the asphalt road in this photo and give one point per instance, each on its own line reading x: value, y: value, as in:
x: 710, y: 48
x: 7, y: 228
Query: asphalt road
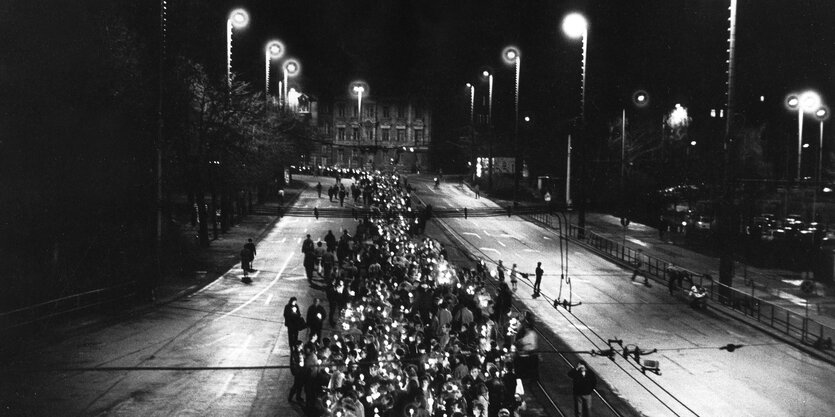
x: 765, y: 377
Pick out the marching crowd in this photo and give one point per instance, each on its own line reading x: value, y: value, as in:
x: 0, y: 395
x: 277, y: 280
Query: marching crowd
x: 410, y: 334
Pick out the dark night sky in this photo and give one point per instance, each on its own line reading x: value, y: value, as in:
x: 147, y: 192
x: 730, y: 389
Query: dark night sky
x: 675, y: 49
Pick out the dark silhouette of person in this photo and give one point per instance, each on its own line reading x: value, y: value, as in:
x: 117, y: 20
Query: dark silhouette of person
x: 293, y: 320
x: 251, y: 248
x: 538, y: 282
x: 584, y: 382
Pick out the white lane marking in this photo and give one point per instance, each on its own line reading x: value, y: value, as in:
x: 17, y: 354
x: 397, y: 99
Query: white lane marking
x: 225, y: 386
x: 213, y: 282
x: 299, y: 278
x: 246, y: 342
x: 260, y: 293
x: 269, y: 298
x: 531, y: 250
x: 431, y: 189
x: 505, y: 235
x: 546, y: 237
x: 487, y: 233
x: 255, y: 274
x: 494, y: 250
x: 471, y: 233
x: 284, y: 239
x: 218, y: 340
x: 500, y: 242
x: 636, y: 241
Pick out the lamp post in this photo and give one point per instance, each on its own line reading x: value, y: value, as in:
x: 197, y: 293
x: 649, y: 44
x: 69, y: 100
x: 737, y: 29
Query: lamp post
x: 822, y: 114
x: 273, y: 50
x: 512, y: 55
x: 291, y: 68
x: 488, y: 76
x: 237, y: 20
x: 640, y: 99
x: 358, y: 89
x: 806, y: 102
x: 575, y: 25
x: 471, y: 88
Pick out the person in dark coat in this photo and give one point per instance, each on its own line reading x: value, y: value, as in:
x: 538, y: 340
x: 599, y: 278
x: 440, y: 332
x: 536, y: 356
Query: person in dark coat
x: 307, y: 245
x: 538, y: 282
x: 299, y: 374
x: 315, y: 319
x: 319, y: 189
x: 330, y: 241
x: 251, y: 248
x: 584, y: 383
x: 293, y: 320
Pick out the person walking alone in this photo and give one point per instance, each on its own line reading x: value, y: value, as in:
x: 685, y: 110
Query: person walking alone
x: 514, y: 277
x: 584, y: 382
x: 638, y: 263
x: 251, y: 247
x: 538, y: 282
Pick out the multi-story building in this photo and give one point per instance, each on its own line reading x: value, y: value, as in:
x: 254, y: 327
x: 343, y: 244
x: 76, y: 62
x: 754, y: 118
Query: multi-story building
x: 391, y: 133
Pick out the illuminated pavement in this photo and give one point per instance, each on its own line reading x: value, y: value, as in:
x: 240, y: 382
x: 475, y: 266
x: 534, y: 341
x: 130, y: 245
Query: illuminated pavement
x: 765, y: 377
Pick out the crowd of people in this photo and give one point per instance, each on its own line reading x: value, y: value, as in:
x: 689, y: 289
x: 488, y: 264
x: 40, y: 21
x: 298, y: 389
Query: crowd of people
x: 410, y: 333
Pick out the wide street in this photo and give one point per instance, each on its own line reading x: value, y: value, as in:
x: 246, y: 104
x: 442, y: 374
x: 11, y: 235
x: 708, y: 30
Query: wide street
x: 222, y: 351
x: 765, y: 377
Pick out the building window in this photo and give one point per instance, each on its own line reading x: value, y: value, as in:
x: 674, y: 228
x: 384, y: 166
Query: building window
x: 419, y: 136
x: 341, y: 110
x: 340, y: 155
x: 325, y: 150
x: 386, y: 137
x: 370, y: 111
x: 340, y: 136
x: 386, y: 111
x: 401, y: 135
x: 355, y: 134
x: 401, y: 111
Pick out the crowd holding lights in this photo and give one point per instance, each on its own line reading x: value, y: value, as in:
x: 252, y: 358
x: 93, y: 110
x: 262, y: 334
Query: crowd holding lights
x: 413, y: 334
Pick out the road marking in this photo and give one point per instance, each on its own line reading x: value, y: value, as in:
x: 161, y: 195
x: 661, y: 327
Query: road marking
x: 505, y: 235
x: 471, y: 233
x: 260, y: 293
x: 298, y: 278
x: 487, y: 233
x: 269, y: 298
x: 218, y: 340
x: 531, y: 250
x: 546, y: 237
x: 494, y: 250
x: 500, y: 242
x: 284, y: 239
x: 636, y: 241
x: 225, y: 386
x: 246, y: 342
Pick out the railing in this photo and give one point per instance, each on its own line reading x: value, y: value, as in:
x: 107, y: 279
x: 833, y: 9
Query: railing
x: 792, y: 324
x: 42, y: 312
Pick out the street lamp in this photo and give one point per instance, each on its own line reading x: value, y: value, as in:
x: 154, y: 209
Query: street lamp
x: 472, y: 127
x: 487, y: 75
x: 640, y: 99
x: 575, y: 25
x: 291, y: 68
x: 237, y: 19
x: 273, y: 50
x: 822, y: 114
x: 358, y: 89
x: 806, y: 102
x: 512, y: 56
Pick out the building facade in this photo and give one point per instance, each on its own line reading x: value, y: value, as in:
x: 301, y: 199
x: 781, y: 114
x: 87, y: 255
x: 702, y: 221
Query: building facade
x: 389, y: 134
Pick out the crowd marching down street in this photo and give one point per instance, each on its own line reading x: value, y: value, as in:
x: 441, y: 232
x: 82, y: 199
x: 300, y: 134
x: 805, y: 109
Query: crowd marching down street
x: 411, y: 334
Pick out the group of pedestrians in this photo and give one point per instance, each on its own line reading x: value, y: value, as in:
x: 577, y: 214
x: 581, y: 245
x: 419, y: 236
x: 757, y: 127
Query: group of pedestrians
x: 410, y: 333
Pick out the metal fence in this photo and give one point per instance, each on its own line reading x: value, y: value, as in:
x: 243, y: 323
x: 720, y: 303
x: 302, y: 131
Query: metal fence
x: 798, y: 327
x: 42, y: 312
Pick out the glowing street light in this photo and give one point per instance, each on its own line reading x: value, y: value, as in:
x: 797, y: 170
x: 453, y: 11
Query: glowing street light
x: 273, y: 50
x: 291, y: 68
x: 237, y: 19
x: 822, y: 114
x: 487, y: 75
x: 358, y: 89
x: 512, y: 56
x: 806, y: 102
x: 575, y: 25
